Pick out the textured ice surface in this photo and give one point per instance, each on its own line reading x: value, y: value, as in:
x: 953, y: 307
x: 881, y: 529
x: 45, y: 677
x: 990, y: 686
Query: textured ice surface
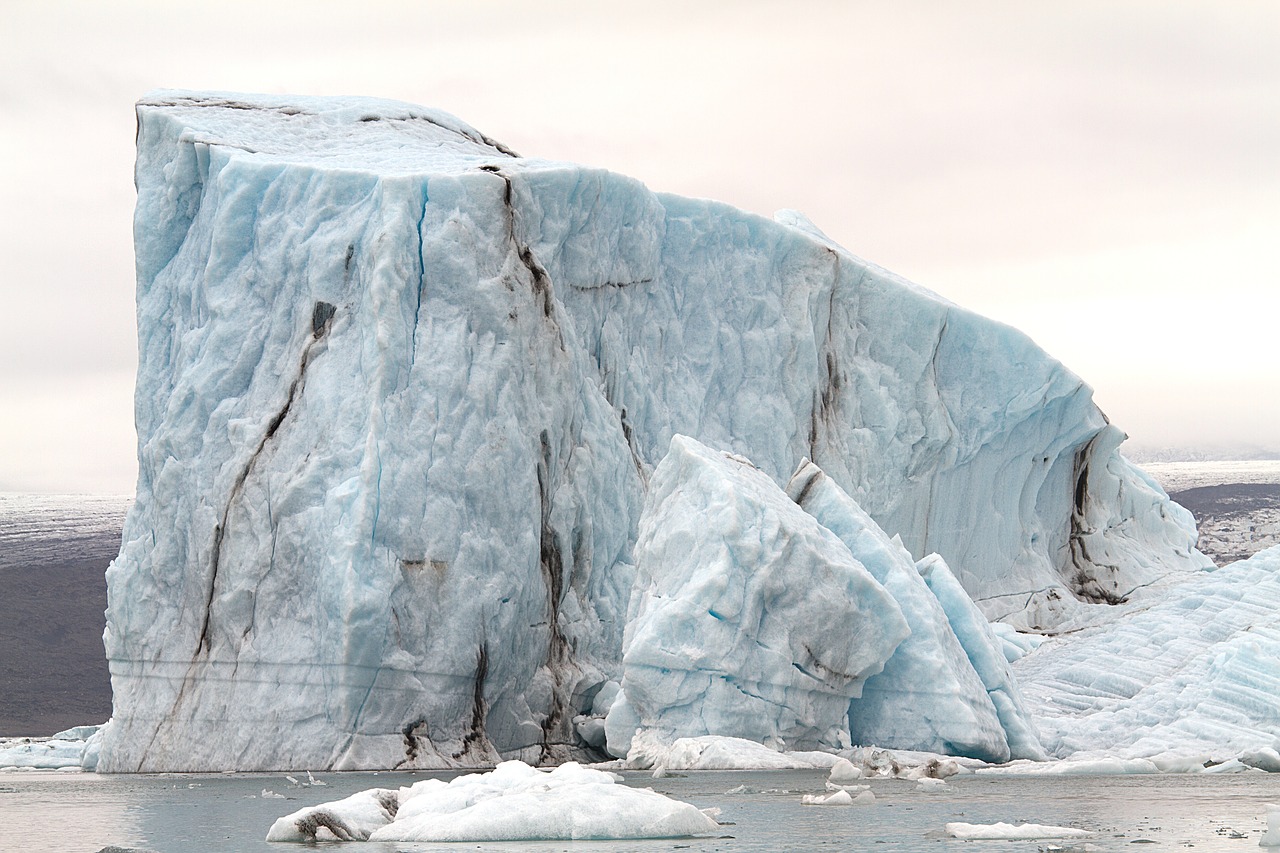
x: 986, y: 652
x: 353, y: 818
x: 928, y: 697
x: 1196, y: 676
x: 649, y: 751
x: 40, y: 753
x: 400, y: 395
x: 1011, y: 832
x: 748, y: 617
x: 513, y: 802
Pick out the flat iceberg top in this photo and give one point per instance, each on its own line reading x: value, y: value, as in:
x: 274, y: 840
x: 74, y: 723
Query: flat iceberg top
x: 353, y: 133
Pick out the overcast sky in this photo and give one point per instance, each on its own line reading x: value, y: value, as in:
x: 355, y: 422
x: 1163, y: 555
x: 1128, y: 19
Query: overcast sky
x: 1105, y: 176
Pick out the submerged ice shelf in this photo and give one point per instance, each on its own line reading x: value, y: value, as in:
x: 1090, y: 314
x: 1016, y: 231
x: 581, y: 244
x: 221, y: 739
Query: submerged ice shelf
x: 401, y: 398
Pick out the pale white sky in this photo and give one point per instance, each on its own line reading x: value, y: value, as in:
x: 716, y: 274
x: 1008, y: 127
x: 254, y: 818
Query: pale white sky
x: 1103, y: 175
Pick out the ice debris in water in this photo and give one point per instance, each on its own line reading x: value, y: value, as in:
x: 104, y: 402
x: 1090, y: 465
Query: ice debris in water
x: 1011, y: 832
x: 839, y: 798
x: 513, y: 802
x: 1271, y: 837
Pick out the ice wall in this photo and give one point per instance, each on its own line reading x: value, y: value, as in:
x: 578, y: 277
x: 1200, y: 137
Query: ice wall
x: 748, y: 618
x: 400, y: 394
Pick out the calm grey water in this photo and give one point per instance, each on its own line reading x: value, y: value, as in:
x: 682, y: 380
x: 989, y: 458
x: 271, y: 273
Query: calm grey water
x: 175, y: 814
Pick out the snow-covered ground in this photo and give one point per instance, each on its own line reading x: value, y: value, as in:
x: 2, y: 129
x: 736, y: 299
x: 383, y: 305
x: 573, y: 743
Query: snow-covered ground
x: 1180, y: 476
x: 1236, y: 503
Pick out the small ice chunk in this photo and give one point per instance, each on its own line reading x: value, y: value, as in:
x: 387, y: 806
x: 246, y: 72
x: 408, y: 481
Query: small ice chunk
x: 271, y: 795
x: 350, y: 819
x: 1264, y: 759
x: 839, y: 798
x: 844, y: 772
x: 1011, y: 832
x: 1271, y: 838
x: 931, y: 785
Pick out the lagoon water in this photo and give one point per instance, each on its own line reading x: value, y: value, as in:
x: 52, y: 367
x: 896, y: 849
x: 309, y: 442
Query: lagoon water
x: 761, y: 811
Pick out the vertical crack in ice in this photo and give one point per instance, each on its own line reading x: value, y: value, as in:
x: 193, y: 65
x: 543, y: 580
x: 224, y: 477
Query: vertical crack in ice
x: 629, y: 435
x: 1085, y: 582
x: 918, y: 463
x: 321, y: 319
x: 479, y: 708
x: 539, y: 279
x: 422, y: 283
x: 826, y: 396
x: 551, y: 561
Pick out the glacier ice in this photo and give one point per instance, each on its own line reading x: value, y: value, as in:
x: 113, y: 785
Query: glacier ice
x: 929, y: 696
x: 748, y: 618
x: 401, y: 394
x: 986, y: 652
x: 1195, y: 676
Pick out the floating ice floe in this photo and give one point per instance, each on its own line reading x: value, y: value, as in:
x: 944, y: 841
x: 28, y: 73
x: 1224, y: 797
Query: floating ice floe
x: 1271, y: 837
x: 839, y: 798
x: 74, y: 748
x: 1011, y: 832
x: 513, y: 802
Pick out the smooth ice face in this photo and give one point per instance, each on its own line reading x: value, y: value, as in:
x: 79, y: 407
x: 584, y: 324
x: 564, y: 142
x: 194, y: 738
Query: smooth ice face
x: 986, y: 651
x: 928, y: 697
x: 1196, y: 676
x: 401, y: 392
x: 748, y: 619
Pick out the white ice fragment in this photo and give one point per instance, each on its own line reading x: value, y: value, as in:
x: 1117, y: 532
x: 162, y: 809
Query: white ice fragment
x: 1016, y: 644
x: 844, y: 772
x: 839, y: 798
x: 716, y: 752
x: 351, y: 819
x: 931, y: 785
x: 271, y: 795
x: 1266, y: 758
x: 517, y: 802
x: 1271, y: 837
x: 1011, y: 832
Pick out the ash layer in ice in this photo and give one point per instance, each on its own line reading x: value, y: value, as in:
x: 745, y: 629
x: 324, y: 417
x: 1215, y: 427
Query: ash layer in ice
x: 400, y: 397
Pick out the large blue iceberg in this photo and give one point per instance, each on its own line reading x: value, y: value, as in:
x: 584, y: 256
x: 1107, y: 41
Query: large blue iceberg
x: 401, y: 395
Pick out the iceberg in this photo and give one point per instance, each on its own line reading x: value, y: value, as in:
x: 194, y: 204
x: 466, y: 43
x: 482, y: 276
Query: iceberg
x: 749, y: 619
x: 401, y: 396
